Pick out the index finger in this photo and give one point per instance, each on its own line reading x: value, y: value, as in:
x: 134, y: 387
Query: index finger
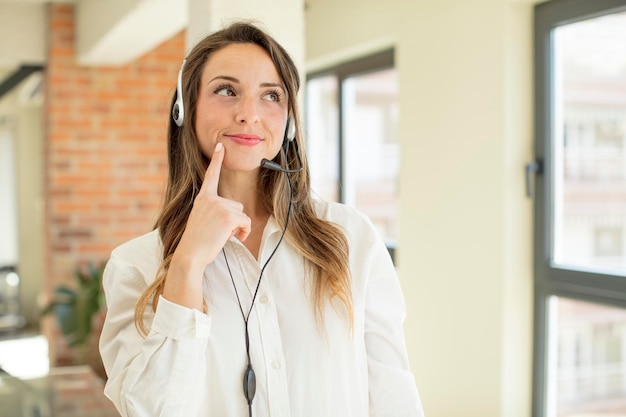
x: 212, y: 175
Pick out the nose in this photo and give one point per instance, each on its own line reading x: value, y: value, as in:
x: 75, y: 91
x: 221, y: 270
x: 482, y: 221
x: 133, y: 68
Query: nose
x: 247, y: 111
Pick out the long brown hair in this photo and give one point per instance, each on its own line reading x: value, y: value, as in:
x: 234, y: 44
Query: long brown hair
x: 321, y: 243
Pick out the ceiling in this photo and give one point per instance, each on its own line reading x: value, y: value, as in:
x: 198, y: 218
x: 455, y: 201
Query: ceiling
x: 107, y: 33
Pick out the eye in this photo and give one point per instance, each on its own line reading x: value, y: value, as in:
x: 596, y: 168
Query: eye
x: 224, y: 90
x: 274, y: 95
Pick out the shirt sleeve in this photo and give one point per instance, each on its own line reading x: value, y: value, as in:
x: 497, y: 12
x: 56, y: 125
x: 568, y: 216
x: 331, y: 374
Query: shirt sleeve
x: 392, y: 389
x: 161, y: 374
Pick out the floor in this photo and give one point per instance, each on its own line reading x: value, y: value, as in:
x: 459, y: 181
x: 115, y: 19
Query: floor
x: 35, y: 390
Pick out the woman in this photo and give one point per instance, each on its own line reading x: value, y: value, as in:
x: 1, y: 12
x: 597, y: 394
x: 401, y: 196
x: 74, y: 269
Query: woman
x: 214, y: 298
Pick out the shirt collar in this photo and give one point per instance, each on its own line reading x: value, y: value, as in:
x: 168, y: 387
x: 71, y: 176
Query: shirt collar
x: 271, y: 227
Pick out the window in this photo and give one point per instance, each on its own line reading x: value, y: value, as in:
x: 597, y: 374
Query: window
x: 352, y: 133
x: 580, y: 209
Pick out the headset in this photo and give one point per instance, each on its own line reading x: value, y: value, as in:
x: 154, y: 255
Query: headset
x: 178, y: 111
x: 178, y: 115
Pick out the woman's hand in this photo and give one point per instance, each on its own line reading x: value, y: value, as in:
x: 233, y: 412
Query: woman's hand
x: 212, y: 221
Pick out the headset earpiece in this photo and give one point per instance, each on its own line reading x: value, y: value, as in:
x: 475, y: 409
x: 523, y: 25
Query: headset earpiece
x: 178, y: 111
x: 290, y: 131
x: 290, y: 135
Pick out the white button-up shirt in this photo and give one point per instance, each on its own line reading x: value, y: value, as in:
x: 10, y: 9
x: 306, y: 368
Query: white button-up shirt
x: 192, y: 364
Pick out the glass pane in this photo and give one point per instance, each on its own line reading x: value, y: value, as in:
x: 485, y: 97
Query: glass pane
x: 323, y: 136
x: 371, y: 160
x: 586, y: 360
x: 590, y: 145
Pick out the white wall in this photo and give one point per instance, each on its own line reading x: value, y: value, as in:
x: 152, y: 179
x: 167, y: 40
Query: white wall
x: 21, y: 188
x: 340, y: 30
x: 8, y: 205
x: 30, y: 175
x: 464, y: 253
x: 115, y: 32
x: 22, y: 33
x: 283, y: 19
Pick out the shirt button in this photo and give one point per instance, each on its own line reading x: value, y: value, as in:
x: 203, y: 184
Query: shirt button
x: 264, y: 299
x: 276, y: 365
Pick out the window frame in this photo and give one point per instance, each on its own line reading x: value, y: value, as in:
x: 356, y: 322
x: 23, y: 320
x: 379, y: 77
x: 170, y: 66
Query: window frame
x: 550, y: 280
x: 371, y: 63
x: 378, y: 61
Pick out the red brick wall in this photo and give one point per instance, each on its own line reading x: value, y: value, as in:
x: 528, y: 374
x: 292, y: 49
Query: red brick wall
x: 105, y: 147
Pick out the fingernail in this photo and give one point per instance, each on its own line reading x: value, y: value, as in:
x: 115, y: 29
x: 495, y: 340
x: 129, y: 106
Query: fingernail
x: 218, y: 147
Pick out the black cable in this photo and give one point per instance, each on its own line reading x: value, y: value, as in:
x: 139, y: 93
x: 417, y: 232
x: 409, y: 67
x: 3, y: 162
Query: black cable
x: 249, y: 379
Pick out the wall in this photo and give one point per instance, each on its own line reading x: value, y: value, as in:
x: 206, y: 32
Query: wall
x: 20, y: 123
x: 8, y: 212
x: 464, y: 252
x: 30, y: 213
x: 21, y: 33
x: 105, y: 148
x: 282, y: 19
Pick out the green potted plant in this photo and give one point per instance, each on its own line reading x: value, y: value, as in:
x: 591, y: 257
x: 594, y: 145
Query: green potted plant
x: 75, y: 308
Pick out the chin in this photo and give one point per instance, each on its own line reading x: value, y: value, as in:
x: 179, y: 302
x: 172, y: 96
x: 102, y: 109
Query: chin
x: 243, y: 165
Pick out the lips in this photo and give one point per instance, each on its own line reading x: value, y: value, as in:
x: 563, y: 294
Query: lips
x: 245, y: 139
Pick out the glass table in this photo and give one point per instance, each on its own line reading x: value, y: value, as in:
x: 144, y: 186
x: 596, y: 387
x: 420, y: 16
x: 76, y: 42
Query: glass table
x: 64, y: 392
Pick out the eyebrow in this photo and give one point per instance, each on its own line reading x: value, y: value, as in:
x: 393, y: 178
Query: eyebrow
x: 235, y: 80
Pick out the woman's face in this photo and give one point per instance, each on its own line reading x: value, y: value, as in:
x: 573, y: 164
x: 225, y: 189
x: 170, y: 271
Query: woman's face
x: 242, y: 103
